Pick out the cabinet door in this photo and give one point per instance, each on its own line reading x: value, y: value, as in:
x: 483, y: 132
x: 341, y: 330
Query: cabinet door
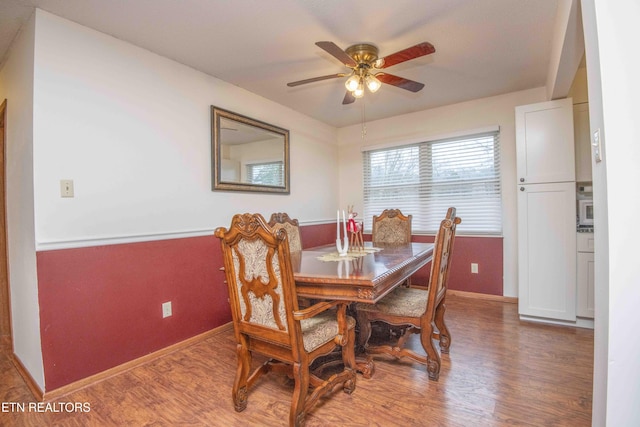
x: 583, y: 142
x: 547, y: 251
x: 586, y: 296
x: 545, y: 145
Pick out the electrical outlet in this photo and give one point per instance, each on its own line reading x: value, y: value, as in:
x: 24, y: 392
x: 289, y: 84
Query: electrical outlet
x: 166, y: 309
x: 474, y: 268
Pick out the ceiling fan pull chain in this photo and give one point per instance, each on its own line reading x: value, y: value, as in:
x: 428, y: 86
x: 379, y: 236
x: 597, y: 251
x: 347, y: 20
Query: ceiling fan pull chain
x: 364, y: 123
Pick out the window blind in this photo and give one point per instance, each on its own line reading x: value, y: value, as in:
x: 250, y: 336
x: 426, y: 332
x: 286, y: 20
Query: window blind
x: 271, y: 173
x: 425, y: 179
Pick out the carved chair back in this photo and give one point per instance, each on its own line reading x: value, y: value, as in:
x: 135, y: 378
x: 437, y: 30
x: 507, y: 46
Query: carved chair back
x: 291, y: 226
x: 440, y: 266
x: 391, y: 227
x: 262, y: 292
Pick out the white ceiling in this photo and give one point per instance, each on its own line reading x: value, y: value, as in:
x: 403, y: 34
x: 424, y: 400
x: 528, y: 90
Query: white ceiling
x: 483, y: 47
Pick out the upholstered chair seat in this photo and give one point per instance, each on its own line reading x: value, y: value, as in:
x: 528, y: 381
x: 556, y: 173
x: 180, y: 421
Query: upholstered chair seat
x: 411, y: 302
x: 321, y: 329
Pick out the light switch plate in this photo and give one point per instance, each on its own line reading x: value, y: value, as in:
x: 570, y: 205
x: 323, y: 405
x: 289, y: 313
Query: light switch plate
x: 596, y: 144
x: 66, y: 188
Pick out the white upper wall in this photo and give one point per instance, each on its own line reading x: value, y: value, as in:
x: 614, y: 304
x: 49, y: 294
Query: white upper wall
x: 579, y: 91
x: 567, y: 49
x: 452, y: 119
x: 133, y: 131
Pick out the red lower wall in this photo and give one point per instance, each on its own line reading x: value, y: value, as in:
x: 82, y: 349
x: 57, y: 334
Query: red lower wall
x: 102, y: 306
x: 484, y: 251
x: 317, y: 235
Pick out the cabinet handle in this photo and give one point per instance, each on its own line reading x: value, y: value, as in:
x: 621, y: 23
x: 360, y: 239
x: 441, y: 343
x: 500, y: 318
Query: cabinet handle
x: 521, y: 179
x: 521, y: 188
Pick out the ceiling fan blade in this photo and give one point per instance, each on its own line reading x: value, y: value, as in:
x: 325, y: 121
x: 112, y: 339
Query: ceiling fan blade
x: 400, y: 82
x: 348, y: 98
x: 336, y: 52
x: 421, y: 49
x: 315, y: 79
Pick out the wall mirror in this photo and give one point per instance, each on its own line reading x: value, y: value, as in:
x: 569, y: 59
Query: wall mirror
x: 248, y: 155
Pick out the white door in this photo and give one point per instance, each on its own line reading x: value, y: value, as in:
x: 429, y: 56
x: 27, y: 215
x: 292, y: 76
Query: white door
x: 547, y: 250
x: 544, y: 142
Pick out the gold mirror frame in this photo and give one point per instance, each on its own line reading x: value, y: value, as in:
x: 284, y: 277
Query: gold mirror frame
x: 239, y: 142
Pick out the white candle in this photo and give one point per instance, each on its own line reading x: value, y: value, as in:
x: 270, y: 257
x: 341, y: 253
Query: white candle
x: 338, y: 225
x: 344, y: 223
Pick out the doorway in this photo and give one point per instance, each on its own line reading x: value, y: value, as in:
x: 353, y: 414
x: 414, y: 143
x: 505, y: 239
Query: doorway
x: 5, y: 310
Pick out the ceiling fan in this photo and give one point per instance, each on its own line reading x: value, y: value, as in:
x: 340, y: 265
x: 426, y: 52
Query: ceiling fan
x: 363, y: 61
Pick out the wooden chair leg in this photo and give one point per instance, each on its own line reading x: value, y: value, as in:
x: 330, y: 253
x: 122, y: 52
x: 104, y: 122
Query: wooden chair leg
x: 300, y: 390
x: 445, y: 336
x: 433, y: 356
x: 240, y: 389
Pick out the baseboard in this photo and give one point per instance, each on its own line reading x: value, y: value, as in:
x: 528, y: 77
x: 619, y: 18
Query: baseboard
x: 464, y: 294
x: 28, y: 379
x: 101, y: 376
x: 580, y: 322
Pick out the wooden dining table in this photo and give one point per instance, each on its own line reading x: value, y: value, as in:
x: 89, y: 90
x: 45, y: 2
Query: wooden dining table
x: 365, y: 276
x: 357, y: 278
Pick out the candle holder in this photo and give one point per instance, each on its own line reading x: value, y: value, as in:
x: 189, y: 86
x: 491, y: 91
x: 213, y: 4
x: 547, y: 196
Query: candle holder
x: 342, y: 247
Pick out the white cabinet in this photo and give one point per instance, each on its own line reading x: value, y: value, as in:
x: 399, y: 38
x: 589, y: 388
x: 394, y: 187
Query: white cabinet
x: 547, y: 251
x: 545, y: 142
x: 585, y: 276
x: 583, y: 142
x: 545, y: 149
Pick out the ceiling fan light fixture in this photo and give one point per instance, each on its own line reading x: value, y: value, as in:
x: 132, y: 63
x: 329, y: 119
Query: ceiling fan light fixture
x: 359, y: 92
x: 373, y: 84
x: 363, y: 61
x: 352, y: 82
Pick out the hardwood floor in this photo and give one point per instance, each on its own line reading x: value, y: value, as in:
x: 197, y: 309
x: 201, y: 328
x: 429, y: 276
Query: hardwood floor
x: 501, y: 372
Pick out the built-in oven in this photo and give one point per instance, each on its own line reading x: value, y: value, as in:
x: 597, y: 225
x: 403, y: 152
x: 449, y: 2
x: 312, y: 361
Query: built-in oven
x: 585, y: 213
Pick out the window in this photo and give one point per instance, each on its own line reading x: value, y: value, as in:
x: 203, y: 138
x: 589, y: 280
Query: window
x: 271, y: 173
x: 425, y: 179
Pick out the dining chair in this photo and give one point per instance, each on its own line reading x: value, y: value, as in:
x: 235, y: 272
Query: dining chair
x: 391, y: 227
x: 291, y: 226
x: 419, y: 311
x: 268, y: 321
